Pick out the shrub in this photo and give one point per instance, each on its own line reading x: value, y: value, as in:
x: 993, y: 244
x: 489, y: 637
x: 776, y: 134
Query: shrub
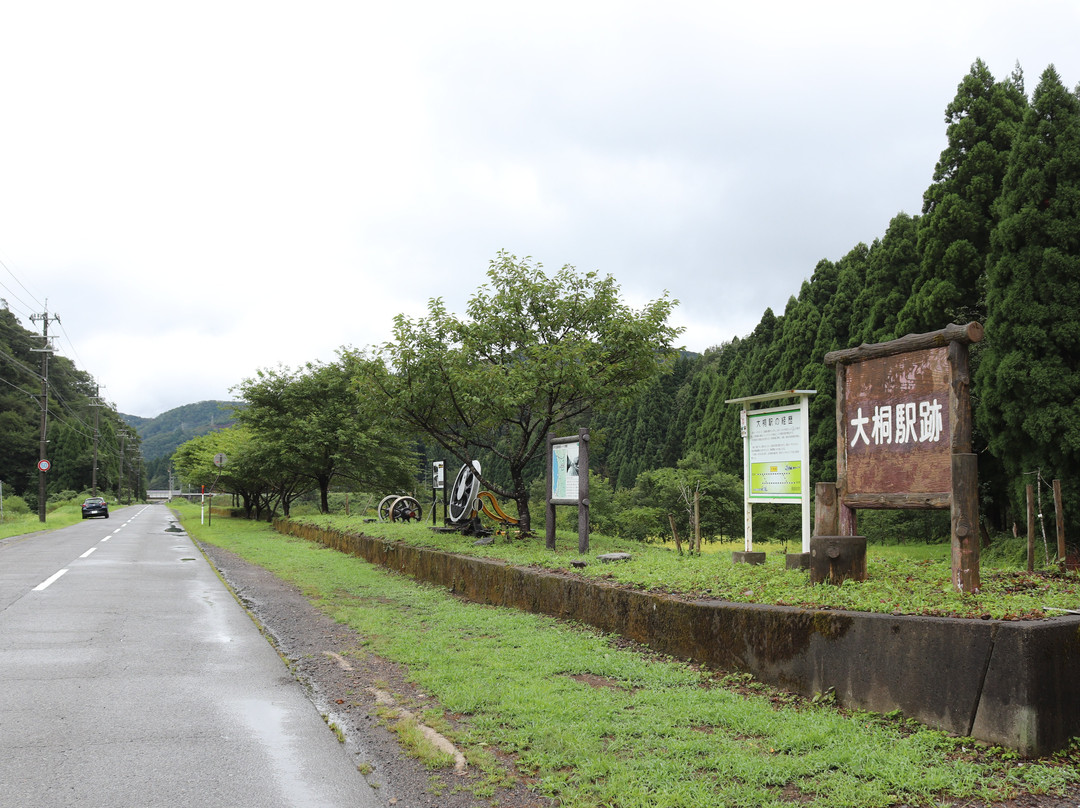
x: 15, y: 506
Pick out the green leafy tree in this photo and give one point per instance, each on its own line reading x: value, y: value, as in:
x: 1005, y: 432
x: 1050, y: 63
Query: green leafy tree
x: 1029, y: 373
x: 249, y: 471
x: 663, y: 491
x: 315, y: 424
x: 892, y: 266
x: 532, y: 354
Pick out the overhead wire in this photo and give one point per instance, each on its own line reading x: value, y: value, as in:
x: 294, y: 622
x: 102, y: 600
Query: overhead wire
x: 23, y: 285
x: 66, y: 416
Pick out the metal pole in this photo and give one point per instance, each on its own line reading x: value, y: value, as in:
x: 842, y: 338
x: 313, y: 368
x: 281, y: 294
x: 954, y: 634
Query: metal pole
x: 43, y: 447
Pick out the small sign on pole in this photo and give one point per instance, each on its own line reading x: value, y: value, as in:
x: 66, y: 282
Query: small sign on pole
x: 438, y: 483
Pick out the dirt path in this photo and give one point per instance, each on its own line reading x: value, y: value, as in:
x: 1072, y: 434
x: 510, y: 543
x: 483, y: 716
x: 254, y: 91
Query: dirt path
x: 354, y: 689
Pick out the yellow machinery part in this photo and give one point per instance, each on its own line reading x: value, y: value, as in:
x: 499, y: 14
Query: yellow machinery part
x: 499, y: 515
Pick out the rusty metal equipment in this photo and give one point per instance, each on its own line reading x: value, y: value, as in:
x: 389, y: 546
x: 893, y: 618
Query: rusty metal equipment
x: 398, y: 508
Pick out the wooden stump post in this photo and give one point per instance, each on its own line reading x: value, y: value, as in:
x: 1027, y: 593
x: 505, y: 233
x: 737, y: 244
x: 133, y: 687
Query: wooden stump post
x: 835, y: 559
x: 965, y: 523
x: 826, y: 510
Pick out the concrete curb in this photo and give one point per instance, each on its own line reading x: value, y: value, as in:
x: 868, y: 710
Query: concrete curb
x: 1014, y: 684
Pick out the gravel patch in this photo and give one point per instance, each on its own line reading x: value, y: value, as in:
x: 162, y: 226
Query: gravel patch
x: 349, y: 686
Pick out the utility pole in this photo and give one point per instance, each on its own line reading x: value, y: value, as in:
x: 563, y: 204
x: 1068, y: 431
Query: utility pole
x: 95, y: 402
x: 120, y: 482
x: 43, y: 462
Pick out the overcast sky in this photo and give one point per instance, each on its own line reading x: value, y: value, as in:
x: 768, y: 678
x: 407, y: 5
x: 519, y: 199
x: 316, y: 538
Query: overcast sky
x: 201, y: 189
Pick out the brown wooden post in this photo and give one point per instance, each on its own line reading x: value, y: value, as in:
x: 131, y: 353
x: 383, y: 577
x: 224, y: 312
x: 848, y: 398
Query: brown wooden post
x: 583, y: 491
x: 674, y: 533
x: 1059, y: 521
x: 1031, y: 529
x: 826, y: 510
x: 846, y: 524
x: 965, y: 474
x: 965, y: 523
x: 835, y: 559
x: 697, y: 521
x: 549, y: 510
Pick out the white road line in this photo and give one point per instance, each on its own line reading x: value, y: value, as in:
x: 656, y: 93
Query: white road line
x: 107, y: 537
x: 88, y: 552
x: 48, y: 581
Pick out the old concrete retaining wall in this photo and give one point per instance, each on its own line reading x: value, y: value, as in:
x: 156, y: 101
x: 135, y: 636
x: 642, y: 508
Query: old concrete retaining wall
x: 1016, y: 684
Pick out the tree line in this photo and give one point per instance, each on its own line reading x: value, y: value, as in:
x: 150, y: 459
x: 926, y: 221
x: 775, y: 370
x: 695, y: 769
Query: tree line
x: 997, y: 241
x: 76, y: 420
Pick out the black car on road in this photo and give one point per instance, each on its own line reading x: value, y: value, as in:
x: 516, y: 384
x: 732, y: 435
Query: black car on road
x: 95, y: 506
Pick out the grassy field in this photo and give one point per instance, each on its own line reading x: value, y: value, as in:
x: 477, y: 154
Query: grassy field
x: 591, y: 722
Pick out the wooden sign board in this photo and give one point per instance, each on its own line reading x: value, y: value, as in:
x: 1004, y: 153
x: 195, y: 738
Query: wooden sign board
x: 903, y: 434
x: 897, y: 425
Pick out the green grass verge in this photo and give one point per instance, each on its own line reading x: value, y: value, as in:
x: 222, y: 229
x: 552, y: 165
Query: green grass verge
x: 21, y: 524
x: 593, y: 723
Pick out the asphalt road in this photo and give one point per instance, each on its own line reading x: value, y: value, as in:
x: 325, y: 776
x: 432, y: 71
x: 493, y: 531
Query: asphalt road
x: 130, y: 676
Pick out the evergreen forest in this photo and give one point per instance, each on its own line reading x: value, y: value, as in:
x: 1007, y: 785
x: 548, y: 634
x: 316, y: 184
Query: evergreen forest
x: 997, y: 241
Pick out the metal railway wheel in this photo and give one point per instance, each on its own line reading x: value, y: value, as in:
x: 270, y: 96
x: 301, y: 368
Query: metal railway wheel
x: 463, y: 494
x: 384, y: 506
x: 404, y: 509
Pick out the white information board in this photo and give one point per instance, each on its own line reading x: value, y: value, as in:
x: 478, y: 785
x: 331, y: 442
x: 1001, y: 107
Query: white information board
x: 564, y: 470
x: 776, y: 457
x: 774, y: 441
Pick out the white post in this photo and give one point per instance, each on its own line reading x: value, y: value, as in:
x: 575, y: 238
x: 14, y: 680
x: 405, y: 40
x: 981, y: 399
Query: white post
x: 804, y: 411
x: 748, y: 516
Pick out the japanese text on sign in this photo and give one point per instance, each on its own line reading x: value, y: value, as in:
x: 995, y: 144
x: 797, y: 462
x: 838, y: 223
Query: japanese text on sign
x: 775, y: 455
x: 909, y: 422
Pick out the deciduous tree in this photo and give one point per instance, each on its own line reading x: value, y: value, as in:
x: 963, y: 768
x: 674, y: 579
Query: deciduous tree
x: 316, y: 424
x: 532, y: 353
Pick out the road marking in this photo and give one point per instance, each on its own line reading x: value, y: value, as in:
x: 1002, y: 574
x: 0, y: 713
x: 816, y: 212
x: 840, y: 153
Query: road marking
x: 107, y: 537
x: 88, y: 552
x: 44, y: 584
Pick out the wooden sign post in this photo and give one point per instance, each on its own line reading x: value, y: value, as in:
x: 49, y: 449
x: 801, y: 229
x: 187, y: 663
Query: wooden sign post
x: 903, y: 435
x: 568, y: 483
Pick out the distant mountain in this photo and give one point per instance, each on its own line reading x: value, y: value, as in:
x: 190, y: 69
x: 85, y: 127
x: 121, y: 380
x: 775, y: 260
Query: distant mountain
x: 161, y: 435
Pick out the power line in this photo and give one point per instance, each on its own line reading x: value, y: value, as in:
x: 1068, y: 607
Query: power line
x: 20, y: 389
x: 16, y: 361
x: 16, y: 279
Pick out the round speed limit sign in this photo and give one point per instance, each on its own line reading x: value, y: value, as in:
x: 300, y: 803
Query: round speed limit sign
x: 44, y: 465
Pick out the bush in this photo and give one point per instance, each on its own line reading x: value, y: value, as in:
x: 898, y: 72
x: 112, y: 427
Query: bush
x: 15, y: 506
x: 642, y: 523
